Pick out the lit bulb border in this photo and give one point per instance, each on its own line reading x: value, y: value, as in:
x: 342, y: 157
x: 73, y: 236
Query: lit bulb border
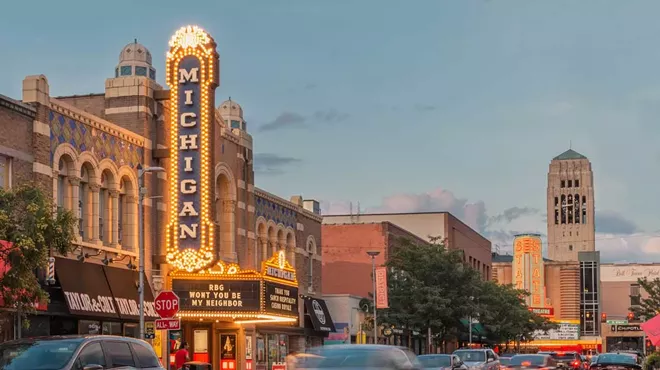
x: 203, y: 48
x: 274, y: 262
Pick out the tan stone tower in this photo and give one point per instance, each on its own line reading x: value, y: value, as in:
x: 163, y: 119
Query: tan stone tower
x: 571, y: 226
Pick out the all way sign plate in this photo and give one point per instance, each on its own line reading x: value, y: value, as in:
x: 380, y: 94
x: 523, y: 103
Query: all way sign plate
x: 168, y: 324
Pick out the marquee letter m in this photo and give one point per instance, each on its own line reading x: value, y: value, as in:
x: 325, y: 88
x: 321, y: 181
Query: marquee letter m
x: 190, y: 76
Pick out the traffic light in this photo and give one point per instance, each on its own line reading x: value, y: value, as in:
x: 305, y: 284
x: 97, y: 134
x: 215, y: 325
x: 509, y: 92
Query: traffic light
x: 603, y: 317
x: 631, y: 316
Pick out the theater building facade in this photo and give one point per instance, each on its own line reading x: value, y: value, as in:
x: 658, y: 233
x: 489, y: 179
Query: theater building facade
x: 245, y: 263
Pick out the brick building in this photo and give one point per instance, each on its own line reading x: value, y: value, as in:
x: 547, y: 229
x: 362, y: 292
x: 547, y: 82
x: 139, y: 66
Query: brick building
x: 428, y: 225
x: 347, y: 268
x: 85, y: 150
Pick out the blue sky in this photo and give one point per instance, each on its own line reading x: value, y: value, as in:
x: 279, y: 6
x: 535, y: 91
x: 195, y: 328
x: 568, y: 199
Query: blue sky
x: 404, y: 105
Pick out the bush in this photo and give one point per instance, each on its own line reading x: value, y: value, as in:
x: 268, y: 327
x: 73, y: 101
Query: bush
x: 652, y: 361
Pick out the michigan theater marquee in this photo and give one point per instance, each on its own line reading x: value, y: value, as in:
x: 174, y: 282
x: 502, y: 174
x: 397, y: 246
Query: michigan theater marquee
x: 221, y: 302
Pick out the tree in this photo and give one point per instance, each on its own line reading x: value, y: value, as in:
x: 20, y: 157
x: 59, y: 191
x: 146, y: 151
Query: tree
x: 505, y: 315
x: 30, y: 228
x: 429, y: 287
x: 648, y: 307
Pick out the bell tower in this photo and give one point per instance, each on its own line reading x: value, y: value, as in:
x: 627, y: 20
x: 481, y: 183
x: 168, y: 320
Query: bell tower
x: 570, y: 197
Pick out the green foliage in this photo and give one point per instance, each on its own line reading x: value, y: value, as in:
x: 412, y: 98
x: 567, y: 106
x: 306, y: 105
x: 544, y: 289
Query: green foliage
x: 32, y: 227
x: 652, y: 361
x: 430, y: 286
x: 649, y: 307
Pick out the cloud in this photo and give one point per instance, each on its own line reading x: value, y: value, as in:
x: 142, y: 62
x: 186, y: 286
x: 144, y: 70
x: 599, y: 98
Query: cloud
x: 611, y: 222
x: 272, y: 164
x: 331, y: 115
x: 512, y: 214
x: 425, y: 107
x: 284, y: 120
x: 311, y: 86
x: 295, y: 120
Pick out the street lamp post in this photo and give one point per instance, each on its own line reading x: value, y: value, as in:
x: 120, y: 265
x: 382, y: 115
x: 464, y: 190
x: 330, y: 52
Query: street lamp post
x: 470, y: 325
x: 141, y: 192
x: 373, y: 255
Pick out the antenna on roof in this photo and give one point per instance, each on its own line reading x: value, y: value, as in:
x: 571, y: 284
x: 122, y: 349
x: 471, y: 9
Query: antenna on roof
x: 570, y: 144
x: 135, y: 41
x: 230, y: 98
x: 358, y: 212
x: 350, y: 211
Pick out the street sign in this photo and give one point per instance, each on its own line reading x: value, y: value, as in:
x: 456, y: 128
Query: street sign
x: 168, y: 324
x: 166, y: 304
x: 149, y: 330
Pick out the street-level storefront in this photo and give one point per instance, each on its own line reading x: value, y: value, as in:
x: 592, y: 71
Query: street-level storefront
x: 90, y: 298
x: 242, y: 319
x: 566, y: 337
x: 624, y: 336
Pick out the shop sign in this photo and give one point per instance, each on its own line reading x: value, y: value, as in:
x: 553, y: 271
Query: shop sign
x: 565, y: 331
x: 218, y: 295
x: 528, y: 268
x: 543, y: 311
x: 630, y: 273
x: 86, y: 303
x: 617, y: 322
x: 278, y: 267
x: 281, y: 299
x: 625, y: 328
x: 168, y: 324
x: 381, y: 288
x: 149, y: 330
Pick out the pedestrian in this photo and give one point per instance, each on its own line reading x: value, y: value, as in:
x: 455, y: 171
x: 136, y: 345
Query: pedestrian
x: 291, y: 360
x: 181, y: 356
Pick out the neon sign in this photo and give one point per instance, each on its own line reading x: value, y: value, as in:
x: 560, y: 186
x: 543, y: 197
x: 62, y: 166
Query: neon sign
x: 192, y: 75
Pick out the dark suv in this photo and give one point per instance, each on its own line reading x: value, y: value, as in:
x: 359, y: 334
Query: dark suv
x: 79, y: 352
x: 567, y: 360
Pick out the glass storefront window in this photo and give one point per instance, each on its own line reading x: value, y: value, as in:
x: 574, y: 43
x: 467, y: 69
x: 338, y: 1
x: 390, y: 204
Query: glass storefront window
x: 89, y: 327
x: 276, y: 349
x: 261, y: 353
x: 283, y: 348
x: 131, y: 330
x: 273, y: 349
x: 111, y: 328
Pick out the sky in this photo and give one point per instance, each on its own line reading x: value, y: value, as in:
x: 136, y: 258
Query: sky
x: 404, y: 106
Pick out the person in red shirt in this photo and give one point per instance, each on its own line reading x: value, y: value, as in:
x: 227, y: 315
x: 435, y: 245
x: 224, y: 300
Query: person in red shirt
x: 181, y: 356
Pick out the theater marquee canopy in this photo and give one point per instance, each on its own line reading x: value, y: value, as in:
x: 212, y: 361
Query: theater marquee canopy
x: 244, y: 296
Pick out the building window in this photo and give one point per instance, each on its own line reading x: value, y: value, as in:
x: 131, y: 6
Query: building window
x: 570, y: 183
x: 126, y: 70
x: 589, y: 304
x: 5, y: 172
x: 83, y: 192
x: 104, y: 211
x: 152, y: 73
x: 141, y: 71
x: 584, y: 210
x: 236, y: 124
x: 563, y: 183
x: 570, y: 247
x: 635, y: 295
x: 577, y: 183
x: 311, y: 252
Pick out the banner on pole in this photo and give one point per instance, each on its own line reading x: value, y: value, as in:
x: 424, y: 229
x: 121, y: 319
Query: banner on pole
x: 381, y: 288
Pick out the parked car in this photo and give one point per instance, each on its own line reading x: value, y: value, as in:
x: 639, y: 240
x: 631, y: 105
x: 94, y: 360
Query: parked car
x: 479, y: 359
x: 618, y: 361
x: 78, y: 352
x: 544, y: 362
x: 442, y: 362
x: 360, y: 356
x: 504, y: 361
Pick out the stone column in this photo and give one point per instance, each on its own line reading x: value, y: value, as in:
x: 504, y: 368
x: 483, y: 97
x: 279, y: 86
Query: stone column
x: 74, y: 202
x: 228, y: 229
x: 131, y: 233
x: 94, y: 194
x: 114, y: 221
x: 56, y: 177
x: 263, y: 242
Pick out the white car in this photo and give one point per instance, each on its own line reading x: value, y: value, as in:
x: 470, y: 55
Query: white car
x: 479, y: 359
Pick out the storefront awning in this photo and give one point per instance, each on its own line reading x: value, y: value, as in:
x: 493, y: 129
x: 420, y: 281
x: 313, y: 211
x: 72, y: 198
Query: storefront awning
x: 92, y: 289
x: 85, y: 288
x: 317, y: 311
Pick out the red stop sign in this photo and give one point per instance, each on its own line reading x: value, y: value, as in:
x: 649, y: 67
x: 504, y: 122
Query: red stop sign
x: 166, y: 304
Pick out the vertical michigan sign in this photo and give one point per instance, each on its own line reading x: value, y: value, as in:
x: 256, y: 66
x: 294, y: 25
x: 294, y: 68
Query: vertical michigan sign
x: 192, y: 75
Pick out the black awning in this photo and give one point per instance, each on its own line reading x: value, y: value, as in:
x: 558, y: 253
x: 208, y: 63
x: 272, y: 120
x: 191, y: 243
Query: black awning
x: 85, y: 288
x: 317, y: 311
x: 124, y: 287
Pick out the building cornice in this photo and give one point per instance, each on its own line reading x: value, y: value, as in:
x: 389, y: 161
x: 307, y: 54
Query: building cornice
x: 285, y: 203
x: 17, y: 106
x: 99, y: 123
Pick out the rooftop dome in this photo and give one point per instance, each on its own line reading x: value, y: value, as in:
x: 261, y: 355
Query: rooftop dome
x: 135, y: 60
x: 230, y: 108
x: 135, y: 52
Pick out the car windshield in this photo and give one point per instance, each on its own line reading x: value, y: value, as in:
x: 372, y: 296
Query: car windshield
x: 611, y: 358
x: 504, y: 361
x: 564, y: 356
x: 38, y: 355
x: 471, y: 356
x: 430, y: 361
x: 526, y: 360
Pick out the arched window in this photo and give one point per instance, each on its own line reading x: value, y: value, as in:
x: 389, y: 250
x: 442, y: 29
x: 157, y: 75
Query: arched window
x: 272, y: 241
x: 225, y: 208
x: 105, y: 208
x: 63, y: 186
x: 578, y: 212
x: 83, y: 212
x: 127, y: 214
x: 291, y: 248
x: 261, y: 245
x: 311, y: 252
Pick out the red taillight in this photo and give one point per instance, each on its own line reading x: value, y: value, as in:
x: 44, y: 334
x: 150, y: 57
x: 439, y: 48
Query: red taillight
x: 576, y: 363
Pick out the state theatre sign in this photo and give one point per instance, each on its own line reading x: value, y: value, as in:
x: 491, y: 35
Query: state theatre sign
x: 280, y: 286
